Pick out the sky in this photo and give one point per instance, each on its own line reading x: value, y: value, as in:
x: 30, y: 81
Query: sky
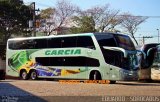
x: 149, y: 8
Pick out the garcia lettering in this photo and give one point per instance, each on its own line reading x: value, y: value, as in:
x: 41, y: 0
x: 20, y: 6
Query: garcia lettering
x: 63, y: 52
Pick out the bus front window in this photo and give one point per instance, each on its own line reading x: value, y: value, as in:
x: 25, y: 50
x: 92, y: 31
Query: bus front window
x: 125, y: 42
x: 130, y: 62
x: 121, y: 58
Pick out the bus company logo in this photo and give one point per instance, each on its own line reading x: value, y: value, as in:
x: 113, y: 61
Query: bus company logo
x: 63, y: 52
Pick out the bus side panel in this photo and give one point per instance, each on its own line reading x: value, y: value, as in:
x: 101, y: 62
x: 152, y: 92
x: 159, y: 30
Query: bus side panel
x: 10, y: 69
x: 62, y: 72
x: 61, y: 65
x: 17, y: 60
x: 26, y: 59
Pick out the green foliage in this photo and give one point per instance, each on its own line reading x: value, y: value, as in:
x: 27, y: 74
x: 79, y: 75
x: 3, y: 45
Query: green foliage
x: 14, y: 17
x: 46, y: 13
x: 85, y: 24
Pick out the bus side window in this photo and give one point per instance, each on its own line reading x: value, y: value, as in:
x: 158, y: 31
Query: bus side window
x: 54, y: 43
x: 14, y: 45
x: 11, y: 45
x: 29, y: 44
x: 86, y: 42
x: 40, y: 43
x: 18, y: 45
x: 69, y: 42
x: 106, y: 40
x: 112, y: 57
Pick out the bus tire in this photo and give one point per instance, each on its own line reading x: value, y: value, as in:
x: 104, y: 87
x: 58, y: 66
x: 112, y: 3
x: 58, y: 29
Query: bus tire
x: 95, y: 75
x: 24, y: 75
x: 33, y: 75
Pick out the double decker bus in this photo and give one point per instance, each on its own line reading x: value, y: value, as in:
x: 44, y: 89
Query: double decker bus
x: 93, y: 56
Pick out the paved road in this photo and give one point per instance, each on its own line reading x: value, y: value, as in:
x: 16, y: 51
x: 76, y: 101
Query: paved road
x: 21, y: 90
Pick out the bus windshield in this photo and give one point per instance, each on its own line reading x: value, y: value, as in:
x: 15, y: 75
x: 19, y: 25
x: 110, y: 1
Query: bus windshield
x: 121, y: 58
x: 118, y: 50
x: 115, y: 40
x: 125, y: 42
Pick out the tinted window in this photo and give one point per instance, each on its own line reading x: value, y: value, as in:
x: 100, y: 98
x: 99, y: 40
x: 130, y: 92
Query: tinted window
x: 40, y: 43
x: 67, y: 61
x: 64, y: 42
x: 30, y: 44
x: 125, y: 42
x: 21, y: 44
x: 54, y: 43
x: 106, y: 40
x: 85, y: 41
x: 112, y: 57
x: 11, y: 45
x: 69, y: 42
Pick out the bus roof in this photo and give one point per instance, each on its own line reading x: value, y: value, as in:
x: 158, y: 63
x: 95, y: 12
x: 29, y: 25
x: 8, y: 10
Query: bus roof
x: 52, y: 36
x: 67, y: 35
x: 110, y: 33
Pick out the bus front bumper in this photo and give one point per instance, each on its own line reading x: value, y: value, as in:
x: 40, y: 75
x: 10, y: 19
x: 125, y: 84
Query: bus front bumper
x: 130, y: 76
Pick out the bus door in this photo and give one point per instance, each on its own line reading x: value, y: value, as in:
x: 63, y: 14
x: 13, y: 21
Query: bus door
x: 113, y: 57
x: 115, y: 64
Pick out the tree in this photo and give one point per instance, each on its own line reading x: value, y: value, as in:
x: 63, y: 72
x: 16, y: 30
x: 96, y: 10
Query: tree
x: 63, y: 11
x: 14, y: 17
x: 45, y: 16
x: 131, y: 23
x: 84, y: 24
x: 103, y: 17
x: 46, y: 13
x: 116, y: 21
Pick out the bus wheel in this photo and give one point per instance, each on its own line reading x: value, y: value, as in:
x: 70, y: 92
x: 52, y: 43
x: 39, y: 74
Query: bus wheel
x: 24, y: 75
x: 95, y: 75
x: 33, y: 75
